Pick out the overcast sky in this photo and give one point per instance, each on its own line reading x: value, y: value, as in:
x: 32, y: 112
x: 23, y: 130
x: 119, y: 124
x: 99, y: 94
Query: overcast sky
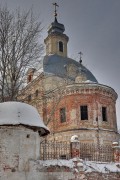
x: 93, y: 27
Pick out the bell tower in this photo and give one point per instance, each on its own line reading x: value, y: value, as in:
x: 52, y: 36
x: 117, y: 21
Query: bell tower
x: 56, y: 41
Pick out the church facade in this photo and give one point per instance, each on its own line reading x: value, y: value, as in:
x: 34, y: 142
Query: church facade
x: 68, y: 96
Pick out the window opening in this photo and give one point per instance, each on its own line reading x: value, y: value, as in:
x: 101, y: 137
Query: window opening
x: 84, y: 112
x: 29, y: 78
x: 104, y: 113
x: 60, y: 46
x: 62, y: 115
x: 36, y: 93
x: 29, y: 98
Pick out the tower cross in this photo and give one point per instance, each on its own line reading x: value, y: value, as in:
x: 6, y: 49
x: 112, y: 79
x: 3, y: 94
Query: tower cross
x: 80, y: 56
x: 55, y: 12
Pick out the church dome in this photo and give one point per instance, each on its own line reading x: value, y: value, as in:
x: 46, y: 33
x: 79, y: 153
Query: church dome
x: 56, y: 27
x: 17, y: 113
x: 56, y: 61
x: 67, y: 68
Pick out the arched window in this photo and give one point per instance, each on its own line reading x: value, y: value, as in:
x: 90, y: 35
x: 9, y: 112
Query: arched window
x: 60, y: 46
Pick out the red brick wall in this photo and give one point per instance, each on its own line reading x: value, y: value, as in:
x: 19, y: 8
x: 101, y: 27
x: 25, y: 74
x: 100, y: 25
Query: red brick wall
x: 72, y: 104
x: 71, y: 97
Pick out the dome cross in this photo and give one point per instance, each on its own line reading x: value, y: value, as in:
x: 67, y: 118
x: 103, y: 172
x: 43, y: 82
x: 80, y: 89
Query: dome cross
x: 55, y: 11
x: 80, y: 57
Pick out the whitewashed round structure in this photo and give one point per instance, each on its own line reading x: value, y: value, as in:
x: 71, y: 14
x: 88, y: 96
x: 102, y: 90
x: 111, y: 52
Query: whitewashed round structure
x: 20, y: 131
x: 17, y: 113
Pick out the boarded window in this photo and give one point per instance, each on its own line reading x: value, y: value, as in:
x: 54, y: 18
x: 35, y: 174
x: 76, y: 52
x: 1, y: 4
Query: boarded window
x: 60, y: 46
x: 84, y: 112
x: 104, y: 113
x: 62, y: 115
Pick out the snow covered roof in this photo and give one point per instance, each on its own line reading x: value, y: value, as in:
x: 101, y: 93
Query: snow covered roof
x: 17, y: 113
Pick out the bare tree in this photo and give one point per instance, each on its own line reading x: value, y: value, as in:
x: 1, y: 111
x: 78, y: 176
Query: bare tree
x: 20, y: 49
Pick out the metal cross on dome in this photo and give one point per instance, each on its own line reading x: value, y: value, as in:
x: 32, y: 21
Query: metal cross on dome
x: 55, y: 12
x: 80, y: 56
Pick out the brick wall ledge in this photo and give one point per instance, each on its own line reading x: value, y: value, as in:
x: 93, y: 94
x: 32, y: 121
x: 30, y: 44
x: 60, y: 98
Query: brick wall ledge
x: 92, y: 129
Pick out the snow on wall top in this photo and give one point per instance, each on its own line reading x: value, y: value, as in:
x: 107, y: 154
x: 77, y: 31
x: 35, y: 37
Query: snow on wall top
x: 88, y: 166
x: 74, y: 138
x: 16, y: 113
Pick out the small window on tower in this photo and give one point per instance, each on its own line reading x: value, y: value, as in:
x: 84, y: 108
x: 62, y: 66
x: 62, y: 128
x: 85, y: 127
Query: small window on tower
x: 60, y: 46
x: 104, y: 113
x: 62, y: 115
x: 84, y: 112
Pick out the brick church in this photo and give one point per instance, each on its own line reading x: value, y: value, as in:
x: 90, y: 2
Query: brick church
x: 68, y: 96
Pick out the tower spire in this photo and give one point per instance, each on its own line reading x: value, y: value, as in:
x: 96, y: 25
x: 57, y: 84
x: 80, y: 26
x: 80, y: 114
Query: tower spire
x: 56, y: 41
x: 55, y: 11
